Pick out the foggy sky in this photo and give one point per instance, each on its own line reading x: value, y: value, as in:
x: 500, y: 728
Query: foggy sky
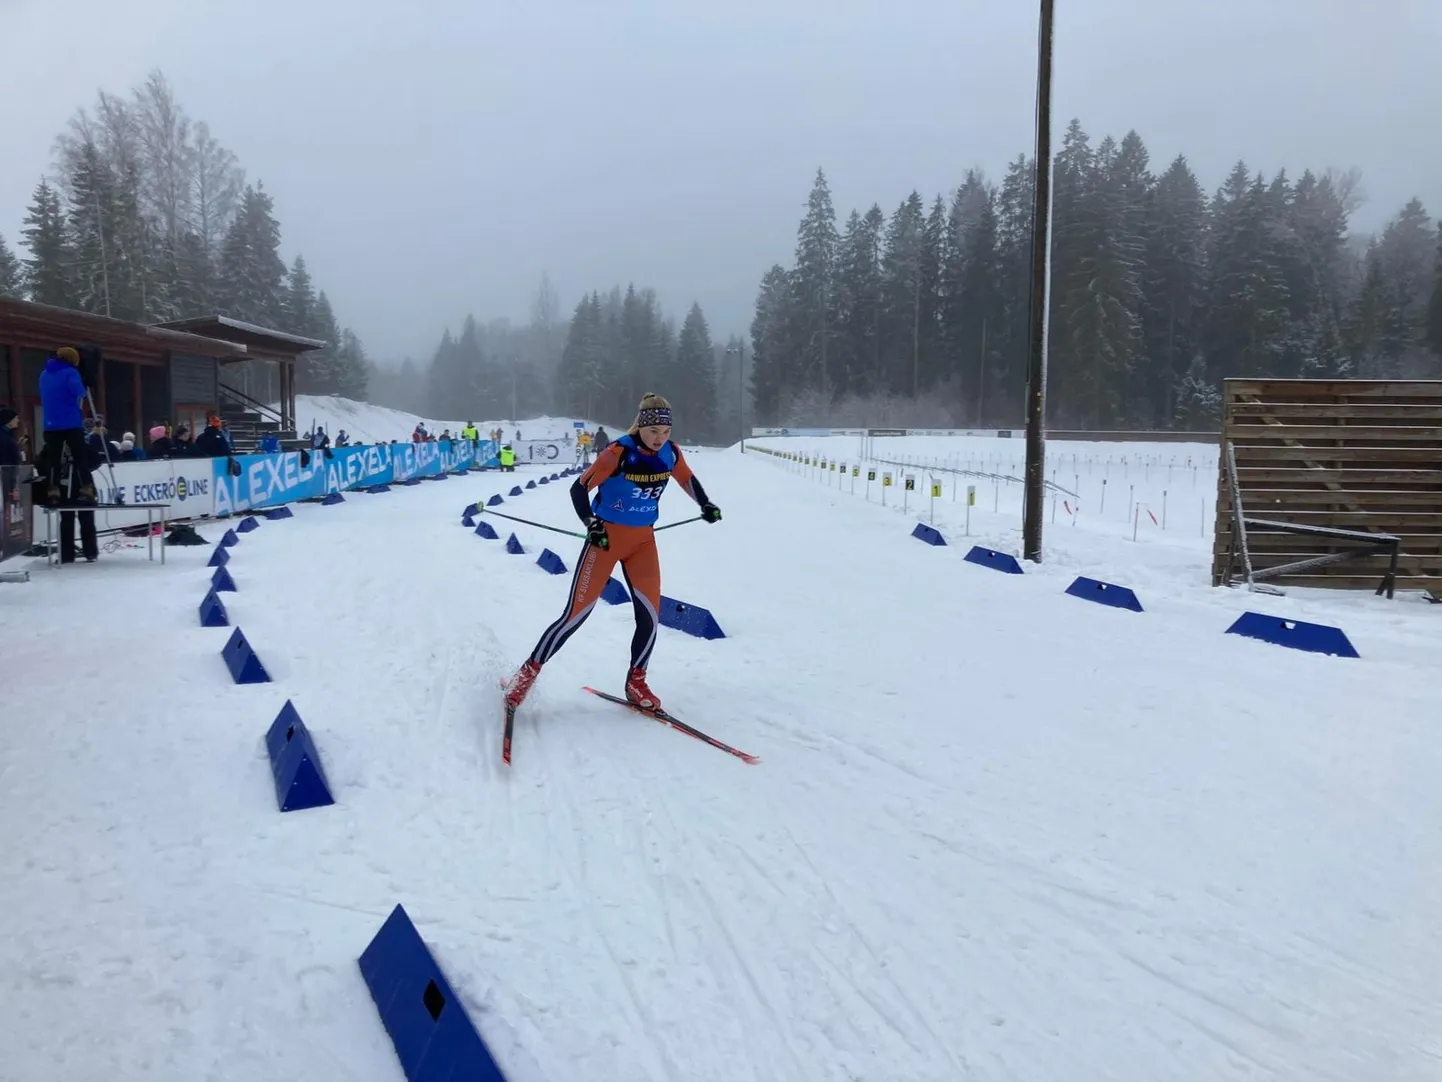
x: 432, y: 157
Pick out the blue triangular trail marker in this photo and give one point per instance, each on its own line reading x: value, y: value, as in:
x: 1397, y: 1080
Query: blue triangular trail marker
x: 212, y: 611
x: 1104, y: 593
x: 240, y: 659
x: 295, y: 764
x: 1294, y: 634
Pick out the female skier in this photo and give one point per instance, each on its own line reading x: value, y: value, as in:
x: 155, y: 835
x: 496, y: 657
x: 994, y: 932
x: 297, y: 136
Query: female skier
x: 631, y: 473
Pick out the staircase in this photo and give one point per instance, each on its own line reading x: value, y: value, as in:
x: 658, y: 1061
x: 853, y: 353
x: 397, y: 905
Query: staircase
x: 249, y: 420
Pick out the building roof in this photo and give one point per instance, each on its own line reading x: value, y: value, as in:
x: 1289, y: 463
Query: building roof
x: 63, y: 324
x: 237, y: 330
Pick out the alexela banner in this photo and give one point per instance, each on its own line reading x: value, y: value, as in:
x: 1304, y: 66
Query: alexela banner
x: 269, y: 480
x: 206, y: 487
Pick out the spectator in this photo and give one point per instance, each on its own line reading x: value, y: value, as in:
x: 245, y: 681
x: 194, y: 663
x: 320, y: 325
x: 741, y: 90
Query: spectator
x: 600, y: 440
x: 269, y: 444
x: 211, y: 443
x: 180, y: 444
x: 159, y: 442
x: 128, y: 451
x: 342, y: 438
x: 61, y: 392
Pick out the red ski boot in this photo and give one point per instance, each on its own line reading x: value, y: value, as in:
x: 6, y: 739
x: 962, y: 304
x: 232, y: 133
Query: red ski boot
x: 520, y: 684
x: 639, y: 694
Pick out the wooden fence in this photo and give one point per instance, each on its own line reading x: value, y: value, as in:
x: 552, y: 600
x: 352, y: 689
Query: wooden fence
x: 1362, y: 456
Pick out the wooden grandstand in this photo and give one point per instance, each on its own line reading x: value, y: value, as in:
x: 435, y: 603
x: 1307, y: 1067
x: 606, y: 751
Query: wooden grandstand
x: 1340, y: 484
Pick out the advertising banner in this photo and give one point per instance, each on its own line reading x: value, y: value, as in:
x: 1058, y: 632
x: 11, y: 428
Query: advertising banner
x: 15, y: 510
x: 206, y: 487
x: 543, y: 452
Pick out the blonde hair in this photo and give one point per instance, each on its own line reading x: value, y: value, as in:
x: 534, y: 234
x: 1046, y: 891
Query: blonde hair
x: 648, y: 402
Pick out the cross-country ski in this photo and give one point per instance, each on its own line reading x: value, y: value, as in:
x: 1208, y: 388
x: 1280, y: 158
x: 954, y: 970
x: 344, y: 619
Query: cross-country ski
x: 675, y: 723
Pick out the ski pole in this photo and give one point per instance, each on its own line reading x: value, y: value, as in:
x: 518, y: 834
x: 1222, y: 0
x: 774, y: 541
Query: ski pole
x: 528, y: 522
x: 569, y: 533
x: 669, y: 525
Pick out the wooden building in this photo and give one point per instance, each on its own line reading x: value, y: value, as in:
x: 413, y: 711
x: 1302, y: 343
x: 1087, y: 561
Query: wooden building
x: 267, y: 372
x: 175, y: 372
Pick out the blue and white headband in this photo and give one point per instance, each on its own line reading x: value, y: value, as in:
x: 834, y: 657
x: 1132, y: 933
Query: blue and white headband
x: 649, y: 418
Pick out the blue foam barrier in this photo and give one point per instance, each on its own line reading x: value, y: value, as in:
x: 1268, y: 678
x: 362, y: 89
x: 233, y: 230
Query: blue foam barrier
x: 484, y: 529
x: 514, y: 547
x: 530, y: 484
x: 471, y: 509
x: 468, y: 520
x: 555, y: 477
x: 221, y: 580
x: 926, y: 533
x: 212, y: 612
x: 997, y: 561
x: 515, y: 491
x: 615, y: 593
x: 240, y: 659
x: 691, y: 619
x: 219, y: 558
x: 434, y: 1039
x: 1295, y: 634
x: 549, y: 561
x: 377, y: 489
x: 495, y: 501
x: 250, y: 522
x: 276, y: 513
x: 229, y: 539
x: 295, y: 764
x: 332, y: 499
x: 544, y: 481
x: 1104, y: 593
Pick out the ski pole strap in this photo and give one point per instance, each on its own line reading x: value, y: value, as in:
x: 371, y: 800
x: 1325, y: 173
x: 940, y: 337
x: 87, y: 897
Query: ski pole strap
x: 528, y: 522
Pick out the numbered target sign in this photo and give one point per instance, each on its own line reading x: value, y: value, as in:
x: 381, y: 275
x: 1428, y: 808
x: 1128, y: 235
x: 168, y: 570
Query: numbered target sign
x: 886, y: 480
x: 911, y: 484
x: 855, y: 471
x: 935, y: 490
x: 871, y: 475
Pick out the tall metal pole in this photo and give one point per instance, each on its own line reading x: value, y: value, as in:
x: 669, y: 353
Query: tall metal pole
x: 1034, y: 506
x: 740, y: 350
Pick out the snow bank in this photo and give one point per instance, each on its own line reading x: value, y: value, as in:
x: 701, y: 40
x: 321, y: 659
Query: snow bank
x: 366, y: 423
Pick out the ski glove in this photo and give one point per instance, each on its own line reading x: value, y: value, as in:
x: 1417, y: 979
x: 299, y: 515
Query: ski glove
x: 710, y: 512
x: 596, y: 534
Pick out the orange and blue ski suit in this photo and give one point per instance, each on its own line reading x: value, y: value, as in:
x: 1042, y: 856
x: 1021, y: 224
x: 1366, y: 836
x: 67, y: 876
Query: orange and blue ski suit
x: 629, y: 478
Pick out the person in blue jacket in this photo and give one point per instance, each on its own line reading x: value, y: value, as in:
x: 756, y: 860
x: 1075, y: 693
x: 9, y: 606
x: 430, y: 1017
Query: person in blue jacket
x: 61, y: 393
x: 629, y: 476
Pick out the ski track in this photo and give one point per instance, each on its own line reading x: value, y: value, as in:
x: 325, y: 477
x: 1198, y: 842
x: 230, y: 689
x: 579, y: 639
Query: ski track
x: 948, y: 864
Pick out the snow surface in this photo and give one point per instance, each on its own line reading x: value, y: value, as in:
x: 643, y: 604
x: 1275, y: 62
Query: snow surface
x: 366, y: 423
x: 997, y: 832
